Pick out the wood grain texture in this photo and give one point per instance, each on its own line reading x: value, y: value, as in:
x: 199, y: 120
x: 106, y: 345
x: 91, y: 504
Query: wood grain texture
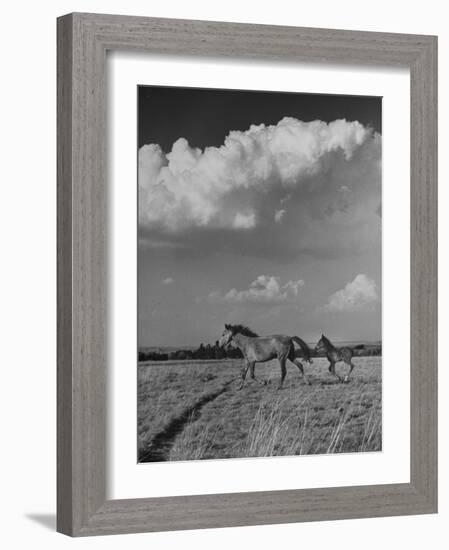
x: 424, y: 257
x: 64, y: 277
x: 83, y: 40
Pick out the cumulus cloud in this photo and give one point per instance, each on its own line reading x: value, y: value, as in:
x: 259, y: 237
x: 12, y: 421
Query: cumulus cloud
x: 358, y: 295
x: 266, y: 289
x: 228, y: 186
x: 168, y: 281
x: 244, y: 220
x: 279, y: 214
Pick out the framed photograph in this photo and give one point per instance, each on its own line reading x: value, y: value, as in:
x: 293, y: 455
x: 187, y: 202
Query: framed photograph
x: 247, y: 281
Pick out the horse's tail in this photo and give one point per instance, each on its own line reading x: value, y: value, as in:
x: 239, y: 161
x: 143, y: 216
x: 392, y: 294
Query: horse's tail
x: 304, y: 347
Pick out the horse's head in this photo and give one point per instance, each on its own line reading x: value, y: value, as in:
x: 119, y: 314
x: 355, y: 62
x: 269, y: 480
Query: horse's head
x: 226, y: 337
x: 321, y: 346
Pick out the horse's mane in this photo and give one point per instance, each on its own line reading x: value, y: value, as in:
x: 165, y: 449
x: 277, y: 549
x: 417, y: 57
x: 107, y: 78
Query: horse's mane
x: 326, y: 340
x: 241, y: 329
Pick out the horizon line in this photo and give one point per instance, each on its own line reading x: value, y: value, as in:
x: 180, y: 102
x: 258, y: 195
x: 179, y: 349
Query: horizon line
x: 363, y: 341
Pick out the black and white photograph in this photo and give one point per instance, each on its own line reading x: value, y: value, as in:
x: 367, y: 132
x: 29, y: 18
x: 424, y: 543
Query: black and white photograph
x: 222, y: 241
x: 259, y: 274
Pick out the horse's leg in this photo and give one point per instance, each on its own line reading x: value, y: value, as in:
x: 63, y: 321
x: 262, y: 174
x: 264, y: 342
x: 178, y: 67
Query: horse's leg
x: 253, y: 375
x: 244, y: 371
x: 332, y: 371
x: 301, y: 370
x: 351, y: 365
x: 252, y: 367
x: 282, y: 361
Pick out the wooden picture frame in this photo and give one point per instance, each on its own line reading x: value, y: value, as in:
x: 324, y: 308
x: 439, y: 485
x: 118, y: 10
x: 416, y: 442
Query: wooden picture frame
x: 83, y: 40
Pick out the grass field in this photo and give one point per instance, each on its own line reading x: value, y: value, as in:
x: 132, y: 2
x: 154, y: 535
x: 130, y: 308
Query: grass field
x: 193, y: 410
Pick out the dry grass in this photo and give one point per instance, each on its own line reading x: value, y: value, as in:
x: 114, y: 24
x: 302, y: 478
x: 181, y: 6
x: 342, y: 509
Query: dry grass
x: 192, y: 411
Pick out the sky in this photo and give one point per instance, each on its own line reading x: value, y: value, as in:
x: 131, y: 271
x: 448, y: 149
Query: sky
x: 261, y: 208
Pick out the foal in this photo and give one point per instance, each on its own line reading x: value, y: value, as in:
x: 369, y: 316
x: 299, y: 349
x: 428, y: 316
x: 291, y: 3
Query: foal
x: 334, y: 355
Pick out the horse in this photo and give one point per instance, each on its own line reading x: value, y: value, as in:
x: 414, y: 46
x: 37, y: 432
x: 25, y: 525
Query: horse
x: 258, y: 349
x: 334, y: 355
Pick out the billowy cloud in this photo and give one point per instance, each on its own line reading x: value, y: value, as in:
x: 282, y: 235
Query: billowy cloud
x: 266, y: 289
x: 358, y: 295
x: 279, y: 214
x: 232, y: 186
x: 168, y: 281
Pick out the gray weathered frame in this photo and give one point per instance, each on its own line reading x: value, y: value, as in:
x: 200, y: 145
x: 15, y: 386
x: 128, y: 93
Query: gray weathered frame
x: 83, y: 40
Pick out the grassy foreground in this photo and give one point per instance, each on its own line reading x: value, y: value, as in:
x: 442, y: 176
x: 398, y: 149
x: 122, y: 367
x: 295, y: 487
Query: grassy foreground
x: 193, y: 410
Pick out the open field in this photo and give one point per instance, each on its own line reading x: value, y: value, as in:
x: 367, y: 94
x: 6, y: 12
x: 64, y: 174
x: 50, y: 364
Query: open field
x: 191, y: 410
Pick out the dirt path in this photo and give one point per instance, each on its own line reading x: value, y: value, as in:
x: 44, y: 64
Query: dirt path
x: 163, y: 441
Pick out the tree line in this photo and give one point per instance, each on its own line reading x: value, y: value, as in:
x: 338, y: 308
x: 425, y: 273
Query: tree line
x: 212, y: 352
